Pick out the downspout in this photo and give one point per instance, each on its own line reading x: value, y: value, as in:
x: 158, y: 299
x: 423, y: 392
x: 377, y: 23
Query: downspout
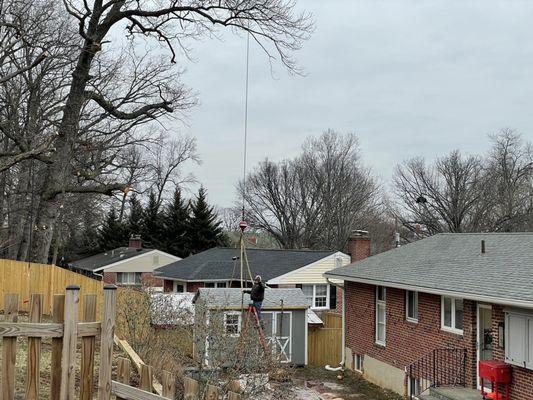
x: 343, y: 357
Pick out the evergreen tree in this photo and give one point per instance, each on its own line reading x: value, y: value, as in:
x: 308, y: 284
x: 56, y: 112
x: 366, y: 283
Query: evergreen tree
x: 112, y: 233
x: 205, y: 231
x: 135, y: 217
x: 153, y: 223
x: 176, y: 240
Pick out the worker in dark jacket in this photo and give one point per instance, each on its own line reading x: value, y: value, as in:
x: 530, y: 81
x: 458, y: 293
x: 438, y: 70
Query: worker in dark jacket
x: 257, y: 294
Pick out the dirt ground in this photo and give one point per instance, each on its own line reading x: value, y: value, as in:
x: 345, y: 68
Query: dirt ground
x: 314, y: 383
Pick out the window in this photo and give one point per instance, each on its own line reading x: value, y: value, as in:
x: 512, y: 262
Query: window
x: 411, y: 306
x: 452, y: 314
x: 232, y: 323
x: 414, y: 386
x: 179, y: 287
x: 317, y: 295
x: 359, y: 362
x: 215, y: 284
x: 129, y: 278
x: 381, y: 317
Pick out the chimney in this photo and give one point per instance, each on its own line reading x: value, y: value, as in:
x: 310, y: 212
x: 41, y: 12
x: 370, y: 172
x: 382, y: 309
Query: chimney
x: 359, y: 245
x: 135, y: 242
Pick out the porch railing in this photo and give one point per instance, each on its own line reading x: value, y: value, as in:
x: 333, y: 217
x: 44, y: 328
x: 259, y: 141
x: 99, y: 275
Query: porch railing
x: 441, y: 367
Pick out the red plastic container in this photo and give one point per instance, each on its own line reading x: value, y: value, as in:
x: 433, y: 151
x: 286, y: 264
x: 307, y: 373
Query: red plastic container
x: 498, y: 373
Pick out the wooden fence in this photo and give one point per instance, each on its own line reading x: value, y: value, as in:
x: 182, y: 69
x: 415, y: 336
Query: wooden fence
x: 25, y: 278
x: 325, y: 344
x: 65, y: 331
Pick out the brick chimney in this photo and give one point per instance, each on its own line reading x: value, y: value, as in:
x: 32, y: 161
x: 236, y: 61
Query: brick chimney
x: 135, y: 242
x: 359, y: 245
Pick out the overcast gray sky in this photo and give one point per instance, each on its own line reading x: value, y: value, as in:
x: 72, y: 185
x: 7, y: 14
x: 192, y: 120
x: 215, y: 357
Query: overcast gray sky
x: 409, y: 77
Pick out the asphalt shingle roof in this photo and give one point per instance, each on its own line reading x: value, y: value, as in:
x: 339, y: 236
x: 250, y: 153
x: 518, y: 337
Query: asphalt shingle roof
x: 218, y: 263
x: 107, y: 258
x: 453, y: 262
x: 232, y: 298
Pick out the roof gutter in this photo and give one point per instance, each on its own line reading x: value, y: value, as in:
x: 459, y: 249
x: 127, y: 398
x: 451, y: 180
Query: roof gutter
x: 441, y: 292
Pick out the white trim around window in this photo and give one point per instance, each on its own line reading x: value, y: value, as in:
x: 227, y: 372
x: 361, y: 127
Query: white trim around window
x: 232, y: 323
x: 317, y: 299
x: 411, y: 306
x: 381, y: 315
x: 179, y: 287
x: 216, y: 284
x: 453, y: 323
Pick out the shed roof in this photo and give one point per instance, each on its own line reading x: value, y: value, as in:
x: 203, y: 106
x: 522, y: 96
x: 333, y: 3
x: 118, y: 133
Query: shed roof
x: 218, y: 263
x: 232, y: 299
x: 453, y: 263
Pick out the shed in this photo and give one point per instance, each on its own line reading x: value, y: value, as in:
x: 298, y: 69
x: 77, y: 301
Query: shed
x: 284, y: 318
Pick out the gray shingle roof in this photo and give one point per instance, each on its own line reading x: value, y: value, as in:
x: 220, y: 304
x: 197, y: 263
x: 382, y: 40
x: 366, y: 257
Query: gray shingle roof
x: 229, y: 299
x: 218, y: 263
x: 107, y: 258
x: 453, y: 262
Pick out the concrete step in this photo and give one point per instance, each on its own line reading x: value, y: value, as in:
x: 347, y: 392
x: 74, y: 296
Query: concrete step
x: 454, y: 393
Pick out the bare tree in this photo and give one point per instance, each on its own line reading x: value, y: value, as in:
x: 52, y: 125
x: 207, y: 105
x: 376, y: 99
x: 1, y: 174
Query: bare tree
x: 315, y: 200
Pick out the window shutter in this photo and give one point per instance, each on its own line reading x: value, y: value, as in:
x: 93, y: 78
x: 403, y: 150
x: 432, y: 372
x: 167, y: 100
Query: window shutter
x: 515, y: 349
x: 137, y: 278
x: 332, y: 297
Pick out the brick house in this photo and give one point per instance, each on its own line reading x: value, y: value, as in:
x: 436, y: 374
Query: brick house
x: 447, y: 301
x: 125, y: 266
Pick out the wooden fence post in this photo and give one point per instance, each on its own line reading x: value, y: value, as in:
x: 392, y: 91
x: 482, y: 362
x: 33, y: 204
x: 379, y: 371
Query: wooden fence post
x: 169, y: 385
x: 58, y: 316
x: 123, y: 372
x: 87, y: 350
x: 106, y: 344
x: 146, y: 378
x: 9, y: 348
x: 33, y: 370
x: 70, y: 338
x: 191, y: 389
x: 212, y: 393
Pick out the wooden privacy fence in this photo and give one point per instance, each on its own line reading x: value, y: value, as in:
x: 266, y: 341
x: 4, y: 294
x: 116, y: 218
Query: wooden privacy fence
x: 325, y: 344
x: 65, y: 331
x: 25, y: 278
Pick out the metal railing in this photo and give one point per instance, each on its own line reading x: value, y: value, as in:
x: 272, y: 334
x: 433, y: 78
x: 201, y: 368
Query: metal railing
x: 441, y: 367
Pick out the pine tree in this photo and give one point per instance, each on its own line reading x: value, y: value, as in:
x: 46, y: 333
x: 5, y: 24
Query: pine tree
x: 112, y: 233
x: 205, y: 231
x: 176, y: 240
x: 153, y: 223
x: 135, y: 217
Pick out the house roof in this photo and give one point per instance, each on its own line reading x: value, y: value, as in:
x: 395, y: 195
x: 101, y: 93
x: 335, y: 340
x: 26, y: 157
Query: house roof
x: 218, y: 263
x: 234, y: 299
x: 107, y: 258
x: 452, y: 263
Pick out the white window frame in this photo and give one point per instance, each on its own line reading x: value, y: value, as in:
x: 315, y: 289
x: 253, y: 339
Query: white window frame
x: 175, y: 283
x: 358, y: 363
x: 217, y: 284
x: 239, y: 318
x: 127, y: 282
x: 313, y: 305
x: 407, y: 317
x: 381, y: 303
x: 451, y: 329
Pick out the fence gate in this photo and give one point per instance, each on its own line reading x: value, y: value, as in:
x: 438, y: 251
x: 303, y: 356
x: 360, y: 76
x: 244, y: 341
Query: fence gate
x: 66, y: 330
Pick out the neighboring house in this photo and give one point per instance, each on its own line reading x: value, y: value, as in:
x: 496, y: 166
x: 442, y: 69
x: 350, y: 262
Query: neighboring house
x: 220, y: 268
x: 442, y: 303
x: 220, y: 321
x: 125, y: 266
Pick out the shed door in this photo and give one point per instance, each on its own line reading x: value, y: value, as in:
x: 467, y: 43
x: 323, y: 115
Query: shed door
x: 282, y: 336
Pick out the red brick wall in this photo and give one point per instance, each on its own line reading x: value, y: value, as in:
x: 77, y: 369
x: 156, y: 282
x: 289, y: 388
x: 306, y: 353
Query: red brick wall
x: 110, y: 278
x: 147, y: 278
x: 405, y: 341
x: 192, y: 287
x: 168, y: 285
x: 522, y: 386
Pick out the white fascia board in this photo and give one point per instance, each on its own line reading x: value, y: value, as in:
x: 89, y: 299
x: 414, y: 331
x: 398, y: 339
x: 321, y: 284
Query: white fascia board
x: 154, y: 251
x: 440, y: 292
x: 277, y: 279
x: 194, y: 280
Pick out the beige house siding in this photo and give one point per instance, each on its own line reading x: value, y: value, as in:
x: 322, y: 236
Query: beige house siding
x: 312, y: 273
x: 147, y: 262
